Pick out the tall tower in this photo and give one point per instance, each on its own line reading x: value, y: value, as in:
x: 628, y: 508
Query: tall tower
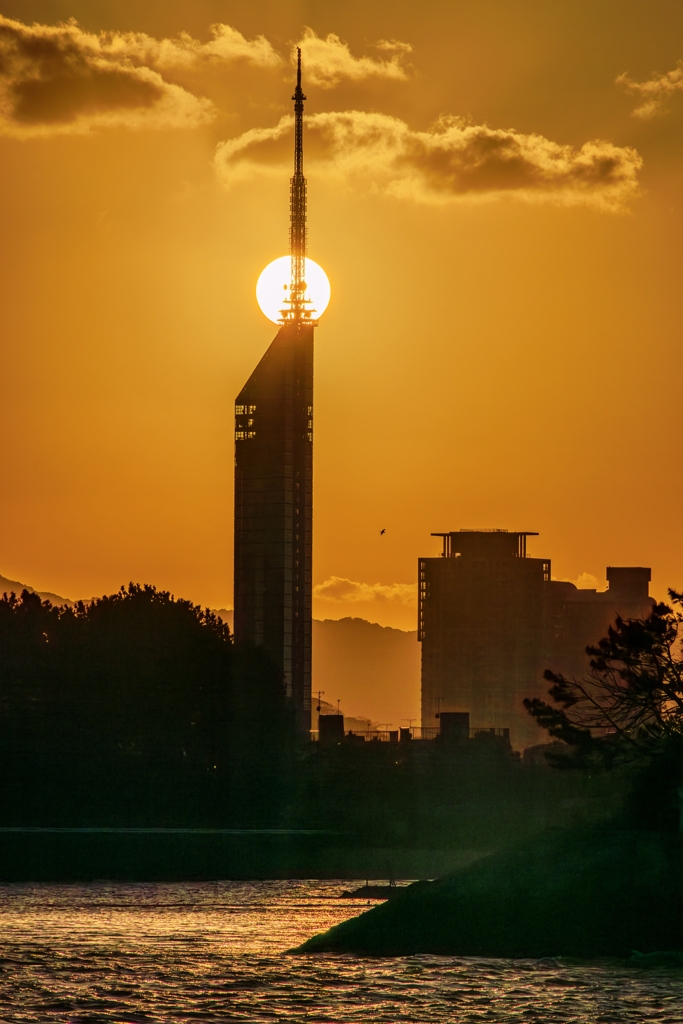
x: 274, y: 475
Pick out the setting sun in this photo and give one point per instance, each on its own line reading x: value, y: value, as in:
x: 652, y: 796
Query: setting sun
x: 272, y: 288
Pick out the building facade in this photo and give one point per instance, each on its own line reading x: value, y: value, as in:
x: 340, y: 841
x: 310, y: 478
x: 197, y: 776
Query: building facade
x: 274, y: 511
x: 481, y: 628
x: 491, y: 620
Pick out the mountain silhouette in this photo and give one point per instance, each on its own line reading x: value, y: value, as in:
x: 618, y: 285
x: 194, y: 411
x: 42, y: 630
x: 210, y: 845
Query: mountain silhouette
x: 8, y: 586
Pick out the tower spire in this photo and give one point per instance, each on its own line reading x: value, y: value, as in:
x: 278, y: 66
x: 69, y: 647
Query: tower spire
x: 297, y: 211
x: 274, y: 475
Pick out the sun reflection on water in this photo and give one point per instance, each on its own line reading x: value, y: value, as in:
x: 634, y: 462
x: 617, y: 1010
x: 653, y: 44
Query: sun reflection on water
x: 217, y: 952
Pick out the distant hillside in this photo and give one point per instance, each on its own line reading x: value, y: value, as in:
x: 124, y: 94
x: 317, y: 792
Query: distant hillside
x: 9, y: 586
x: 373, y: 670
x: 226, y: 614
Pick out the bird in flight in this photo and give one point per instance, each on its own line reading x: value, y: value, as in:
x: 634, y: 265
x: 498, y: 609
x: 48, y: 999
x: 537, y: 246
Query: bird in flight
x: 381, y: 532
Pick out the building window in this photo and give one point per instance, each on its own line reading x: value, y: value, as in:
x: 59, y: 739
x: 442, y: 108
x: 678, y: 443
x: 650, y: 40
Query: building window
x: 423, y: 590
x: 244, y: 422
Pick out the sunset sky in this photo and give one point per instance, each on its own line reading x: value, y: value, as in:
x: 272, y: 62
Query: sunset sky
x: 496, y: 194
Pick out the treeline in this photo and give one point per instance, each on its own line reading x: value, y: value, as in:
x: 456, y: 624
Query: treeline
x: 136, y: 706
x: 137, y: 709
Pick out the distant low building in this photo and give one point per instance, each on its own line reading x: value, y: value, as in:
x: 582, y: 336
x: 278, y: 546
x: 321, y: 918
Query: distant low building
x: 491, y: 620
x: 330, y: 730
x: 575, y: 618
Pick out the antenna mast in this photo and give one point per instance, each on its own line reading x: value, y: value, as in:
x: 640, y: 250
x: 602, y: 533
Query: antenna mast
x: 297, y: 212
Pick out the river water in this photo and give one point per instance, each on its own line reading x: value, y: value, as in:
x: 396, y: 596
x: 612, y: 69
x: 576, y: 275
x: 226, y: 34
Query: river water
x: 209, y: 952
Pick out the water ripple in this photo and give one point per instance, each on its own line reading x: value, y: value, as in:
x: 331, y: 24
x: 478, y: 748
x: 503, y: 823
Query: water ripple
x: 163, y: 954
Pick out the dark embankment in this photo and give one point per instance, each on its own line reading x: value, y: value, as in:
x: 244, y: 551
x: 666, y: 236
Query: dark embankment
x: 580, y: 894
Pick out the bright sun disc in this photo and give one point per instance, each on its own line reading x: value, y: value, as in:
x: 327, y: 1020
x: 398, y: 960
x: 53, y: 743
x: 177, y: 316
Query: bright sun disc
x: 272, y: 288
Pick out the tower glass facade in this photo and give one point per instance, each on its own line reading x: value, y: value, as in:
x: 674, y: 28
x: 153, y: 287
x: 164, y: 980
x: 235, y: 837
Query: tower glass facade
x: 274, y: 511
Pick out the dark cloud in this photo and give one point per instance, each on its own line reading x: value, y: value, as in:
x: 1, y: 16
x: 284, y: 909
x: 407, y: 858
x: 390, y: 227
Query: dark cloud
x: 453, y: 161
x: 69, y: 93
x: 60, y: 78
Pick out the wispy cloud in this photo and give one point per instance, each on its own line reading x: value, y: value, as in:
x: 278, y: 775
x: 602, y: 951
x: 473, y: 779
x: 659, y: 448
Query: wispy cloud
x: 455, y: 160
x: 226, y: 44
x: 60, y: 78
x: 339, y: 589
x: 328, y: 60
x: 655, y: 92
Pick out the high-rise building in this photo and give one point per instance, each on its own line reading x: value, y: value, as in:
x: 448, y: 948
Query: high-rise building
x: 274, y: 476
x: 491, y: 620
x: 481, y: 627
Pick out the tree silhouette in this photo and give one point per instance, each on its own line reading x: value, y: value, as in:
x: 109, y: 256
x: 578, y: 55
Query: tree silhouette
x: 137, y: 693
x: 628, y: 709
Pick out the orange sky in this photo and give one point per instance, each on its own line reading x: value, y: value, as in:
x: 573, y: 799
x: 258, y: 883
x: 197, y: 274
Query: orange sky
x: 503, y: 346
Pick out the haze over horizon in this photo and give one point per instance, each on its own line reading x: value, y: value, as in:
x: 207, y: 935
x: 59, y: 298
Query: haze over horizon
x: 495, y: 195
